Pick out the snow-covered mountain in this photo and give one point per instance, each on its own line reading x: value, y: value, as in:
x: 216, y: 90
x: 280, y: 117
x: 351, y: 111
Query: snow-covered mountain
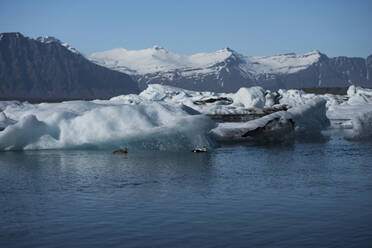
x: 158, y: 59
x: 227, y: 70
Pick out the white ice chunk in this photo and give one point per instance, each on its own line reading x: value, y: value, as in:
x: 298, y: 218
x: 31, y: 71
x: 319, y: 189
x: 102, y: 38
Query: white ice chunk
x: 294, y: 97
x: 105, y: 125
x: 253, y: 97
x: 358, y: 95
x: 362, y: 127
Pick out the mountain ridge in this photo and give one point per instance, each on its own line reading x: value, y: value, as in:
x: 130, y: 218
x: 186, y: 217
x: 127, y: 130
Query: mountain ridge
x: 44, y: 67
x: 118, y: 57
x: 228, y: 70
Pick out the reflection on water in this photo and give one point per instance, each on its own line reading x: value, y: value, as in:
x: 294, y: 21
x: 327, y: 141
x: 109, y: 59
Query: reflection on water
x: 314, y: 194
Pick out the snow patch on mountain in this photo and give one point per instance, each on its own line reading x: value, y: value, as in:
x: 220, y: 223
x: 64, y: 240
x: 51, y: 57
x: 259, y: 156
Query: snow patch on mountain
x: 286, y: 63
x: 51, y: 39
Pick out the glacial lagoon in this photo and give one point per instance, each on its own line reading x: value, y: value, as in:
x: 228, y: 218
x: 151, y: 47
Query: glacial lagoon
x: 299, y: 195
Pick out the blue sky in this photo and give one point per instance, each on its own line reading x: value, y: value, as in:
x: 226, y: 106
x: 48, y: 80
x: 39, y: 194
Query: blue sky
x: 266, y: 27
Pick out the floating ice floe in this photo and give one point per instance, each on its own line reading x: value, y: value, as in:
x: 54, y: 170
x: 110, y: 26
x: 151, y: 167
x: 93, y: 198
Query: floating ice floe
x: 352, y: 112
x: 358, y: 95
x: 362, y: 127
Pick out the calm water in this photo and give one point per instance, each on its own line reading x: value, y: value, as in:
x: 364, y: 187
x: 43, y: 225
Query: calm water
x: 305, y: 195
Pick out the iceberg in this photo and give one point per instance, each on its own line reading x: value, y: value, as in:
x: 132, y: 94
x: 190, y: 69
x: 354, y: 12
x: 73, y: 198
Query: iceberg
x: 105, y: 125
x: 362, y: 127
x: 358, y: 95
x: 253, y: 97
x: 303, y: 121
x: 172, y: 119
x: 294, y: 97
x: 352, y: 113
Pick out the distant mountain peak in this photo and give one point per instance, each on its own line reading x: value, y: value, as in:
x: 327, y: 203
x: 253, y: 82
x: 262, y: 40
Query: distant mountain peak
x: 313, y: 52
x: 226, y: 50
x: 157, y: 48
x: 230, y: 50
x: 50, y: 39
x: 11, y: 35
x: 45, y: 40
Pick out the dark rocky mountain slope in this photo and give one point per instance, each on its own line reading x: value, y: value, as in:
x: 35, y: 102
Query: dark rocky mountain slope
x: 35, y: 69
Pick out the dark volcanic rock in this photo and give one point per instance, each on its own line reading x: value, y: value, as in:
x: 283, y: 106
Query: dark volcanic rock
x: 33, y: 69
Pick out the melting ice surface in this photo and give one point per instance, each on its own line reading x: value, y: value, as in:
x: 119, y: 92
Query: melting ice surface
x: 173, y: 119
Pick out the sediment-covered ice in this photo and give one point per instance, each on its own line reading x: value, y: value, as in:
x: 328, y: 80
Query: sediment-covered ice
x: 81, y: 124
x: 304, y: 121
x: 233, y: 131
